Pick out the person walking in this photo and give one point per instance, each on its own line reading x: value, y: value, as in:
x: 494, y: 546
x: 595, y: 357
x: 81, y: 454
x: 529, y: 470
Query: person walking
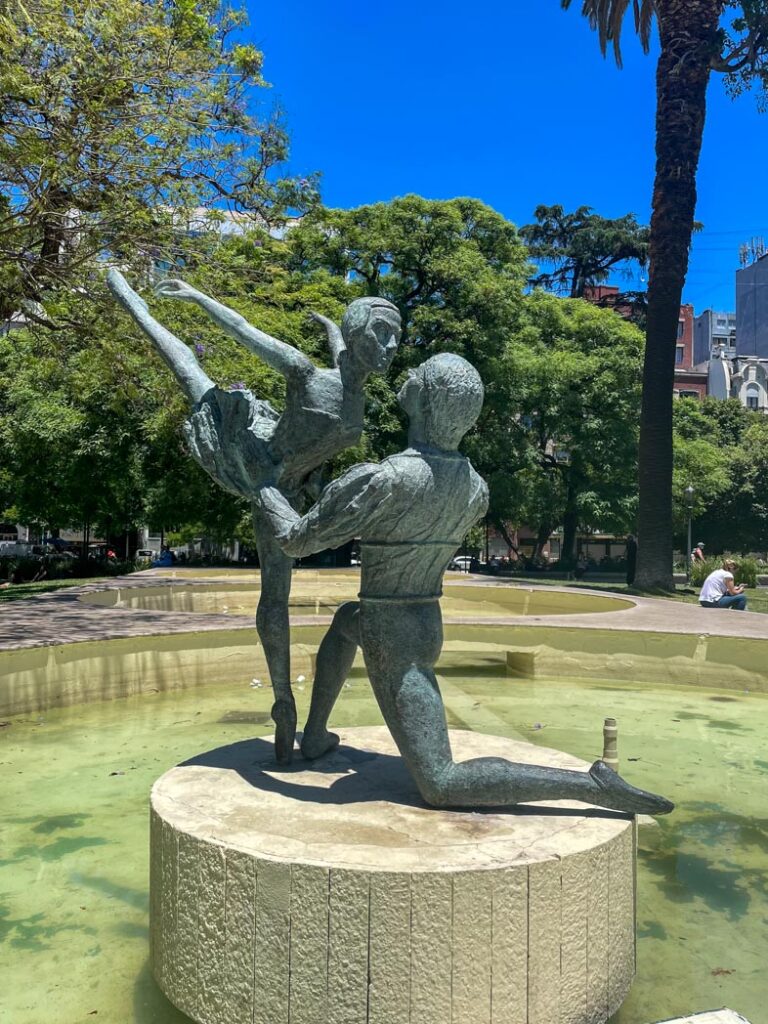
x: 719, y: 590
x: 697, y: 555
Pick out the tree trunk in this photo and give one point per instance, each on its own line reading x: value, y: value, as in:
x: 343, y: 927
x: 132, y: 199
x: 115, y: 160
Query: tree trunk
x: 543, y: 534
x: 501, y: 527
x: 688, y: 35
x: 570, y: 530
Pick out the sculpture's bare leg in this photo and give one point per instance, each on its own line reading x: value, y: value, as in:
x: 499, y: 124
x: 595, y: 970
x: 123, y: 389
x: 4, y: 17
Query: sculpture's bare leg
x: 272, y: 625
x: 334, y: 661
x: 181, y: 360
x: 401, y: 644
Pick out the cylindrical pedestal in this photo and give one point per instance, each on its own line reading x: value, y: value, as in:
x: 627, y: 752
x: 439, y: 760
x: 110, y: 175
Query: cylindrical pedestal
x: 328, y: 893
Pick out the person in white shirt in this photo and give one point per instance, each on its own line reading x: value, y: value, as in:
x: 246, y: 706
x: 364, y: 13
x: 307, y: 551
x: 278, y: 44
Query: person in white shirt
x: 719, y: 590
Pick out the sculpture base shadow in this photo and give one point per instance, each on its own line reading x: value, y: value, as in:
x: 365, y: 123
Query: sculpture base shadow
x: 360, y: 776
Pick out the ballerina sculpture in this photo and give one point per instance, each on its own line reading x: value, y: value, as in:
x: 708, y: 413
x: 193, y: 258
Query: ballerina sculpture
x: 244, y: 443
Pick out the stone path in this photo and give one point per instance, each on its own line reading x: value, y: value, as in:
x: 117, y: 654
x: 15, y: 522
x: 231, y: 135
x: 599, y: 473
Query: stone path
x: 61, y: 617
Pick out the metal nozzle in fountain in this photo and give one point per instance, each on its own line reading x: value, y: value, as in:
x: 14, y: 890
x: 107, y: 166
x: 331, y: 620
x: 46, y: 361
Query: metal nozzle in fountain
x: 610, y: 743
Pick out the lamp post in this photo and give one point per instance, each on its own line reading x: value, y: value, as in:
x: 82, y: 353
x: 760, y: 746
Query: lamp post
x: 689, y: 493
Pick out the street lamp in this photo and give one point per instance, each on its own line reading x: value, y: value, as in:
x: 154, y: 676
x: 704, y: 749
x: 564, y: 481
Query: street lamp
x: 689, y: 493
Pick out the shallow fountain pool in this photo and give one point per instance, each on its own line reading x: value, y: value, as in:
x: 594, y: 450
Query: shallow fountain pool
x: 73, y: 865
x: 320, y: 592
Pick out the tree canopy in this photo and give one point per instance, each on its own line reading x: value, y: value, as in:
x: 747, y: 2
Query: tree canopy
x: 576, y: 373
x: 561, y: 377
x: 721, y: 450
x: 695, y: 39
x: 120, y: 122
x: 90, y: 417
x: 582, y: 248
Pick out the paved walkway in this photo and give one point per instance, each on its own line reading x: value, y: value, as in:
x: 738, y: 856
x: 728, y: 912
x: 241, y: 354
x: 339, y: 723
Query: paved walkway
x: 60, y: 618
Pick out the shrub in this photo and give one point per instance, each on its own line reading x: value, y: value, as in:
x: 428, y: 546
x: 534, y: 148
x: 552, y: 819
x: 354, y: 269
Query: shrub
x: 745, y: 572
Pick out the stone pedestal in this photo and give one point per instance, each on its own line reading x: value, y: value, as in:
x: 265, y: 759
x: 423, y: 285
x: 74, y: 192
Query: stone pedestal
x: 328, y: 892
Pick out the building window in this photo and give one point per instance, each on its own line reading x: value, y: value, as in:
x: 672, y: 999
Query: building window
x: 753, y: 397
x: 721, y: 321
x: 679, y: 353
x: 680, y: 328
x: 689, y: 394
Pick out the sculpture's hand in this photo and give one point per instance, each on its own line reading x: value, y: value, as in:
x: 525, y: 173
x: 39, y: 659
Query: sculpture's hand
x: 320, y: 319
x: 335, y: 337
x: 173, y: 289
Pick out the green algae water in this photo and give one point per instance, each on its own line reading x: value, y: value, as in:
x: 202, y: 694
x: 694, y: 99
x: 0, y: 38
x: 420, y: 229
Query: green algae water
x: 74, y: 852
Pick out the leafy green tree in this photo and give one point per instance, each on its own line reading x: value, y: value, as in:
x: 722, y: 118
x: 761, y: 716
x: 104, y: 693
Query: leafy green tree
x: 456, y: 269
x: 696, y: 37
x: 118, y: 118
x: 721, y: 449
x: 90, y: 418
x: 556, y: 440
x: 582, y: 248
x: 576, y: 370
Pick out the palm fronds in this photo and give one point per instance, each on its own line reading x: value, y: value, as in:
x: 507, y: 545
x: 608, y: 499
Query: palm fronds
x: 607, y: 18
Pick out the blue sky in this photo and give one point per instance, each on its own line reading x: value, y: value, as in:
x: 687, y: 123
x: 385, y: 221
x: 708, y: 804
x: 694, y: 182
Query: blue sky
x: 509, y: 102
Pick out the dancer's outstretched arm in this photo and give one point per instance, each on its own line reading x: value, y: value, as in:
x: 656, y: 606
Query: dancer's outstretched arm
x: 194, y: 381
x: 351, y: 503
x: 335, y: 337
x: 281, y: 357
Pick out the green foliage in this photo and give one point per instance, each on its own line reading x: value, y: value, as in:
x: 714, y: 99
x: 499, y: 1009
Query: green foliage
x: 90, y: 418
x: 745, y: 572
x: 453, y: 267
x: 117, y: 118
x: 721, y: 449
x: 700, y: 461
x: 456, y: 270
x: 695, y: 38
x: 573, y: 425
x: 741, y: 53
x: 582, y: 247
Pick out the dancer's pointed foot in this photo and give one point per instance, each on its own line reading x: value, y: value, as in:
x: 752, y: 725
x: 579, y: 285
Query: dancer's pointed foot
x: 614, y: 792
x: 284, y: 716
x: 315, y: 745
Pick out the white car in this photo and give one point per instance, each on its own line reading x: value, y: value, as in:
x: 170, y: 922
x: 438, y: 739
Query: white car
x: 461, y: 563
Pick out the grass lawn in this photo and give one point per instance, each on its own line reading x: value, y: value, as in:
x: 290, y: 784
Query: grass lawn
x: 18, y: 591
x: 757, y: 598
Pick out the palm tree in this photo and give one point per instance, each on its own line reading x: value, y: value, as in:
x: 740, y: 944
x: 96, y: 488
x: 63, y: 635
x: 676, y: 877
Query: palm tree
x: 692, y: 42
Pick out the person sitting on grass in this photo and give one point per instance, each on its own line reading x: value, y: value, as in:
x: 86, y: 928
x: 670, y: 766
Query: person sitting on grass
x: 719, y: 590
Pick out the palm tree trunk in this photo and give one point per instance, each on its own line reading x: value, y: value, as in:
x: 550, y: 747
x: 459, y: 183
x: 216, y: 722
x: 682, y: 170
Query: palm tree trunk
x: 688, y: 35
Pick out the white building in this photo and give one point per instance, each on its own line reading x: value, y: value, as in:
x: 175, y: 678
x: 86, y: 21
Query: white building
x: 741, y: 377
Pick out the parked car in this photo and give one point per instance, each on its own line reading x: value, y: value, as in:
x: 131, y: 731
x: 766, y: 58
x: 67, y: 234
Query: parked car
x: 144, y: 554
x: 20, y: 549
x: 461, y: 563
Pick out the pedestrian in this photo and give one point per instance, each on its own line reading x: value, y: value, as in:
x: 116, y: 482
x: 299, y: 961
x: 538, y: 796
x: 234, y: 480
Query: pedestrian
x: 631, y: 558
x: 719, y: 590
x: 581, y: 566
x: 697, y: 555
